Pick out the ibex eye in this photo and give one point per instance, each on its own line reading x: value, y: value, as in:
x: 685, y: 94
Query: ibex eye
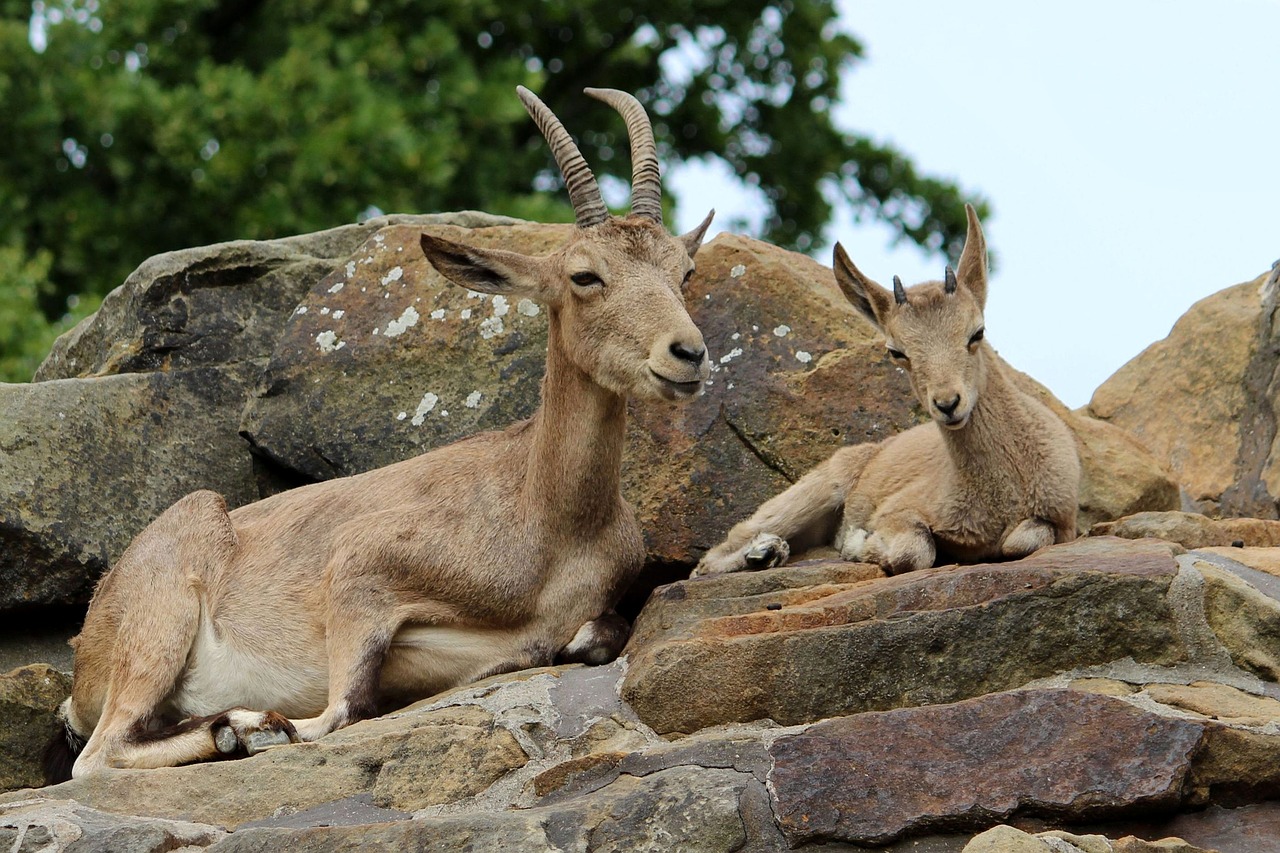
x: 687, y: 276
x: 585, y: 279
x: 898, y: 354
x: 976, y: 336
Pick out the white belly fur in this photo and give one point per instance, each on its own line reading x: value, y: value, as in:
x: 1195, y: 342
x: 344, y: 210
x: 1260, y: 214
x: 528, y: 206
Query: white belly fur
x: 426, y: 659
x: 221, y: 675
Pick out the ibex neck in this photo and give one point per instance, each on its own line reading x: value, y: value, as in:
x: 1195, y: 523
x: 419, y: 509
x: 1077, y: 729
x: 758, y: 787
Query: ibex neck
x: 1001, y: 412
x: 575, y: 464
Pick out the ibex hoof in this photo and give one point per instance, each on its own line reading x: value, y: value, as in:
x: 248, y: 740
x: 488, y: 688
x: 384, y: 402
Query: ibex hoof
x: 251, y: 732
x: 766, y: 551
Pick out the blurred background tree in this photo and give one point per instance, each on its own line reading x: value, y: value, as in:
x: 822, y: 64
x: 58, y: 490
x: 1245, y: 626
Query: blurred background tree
x: 141, y: 127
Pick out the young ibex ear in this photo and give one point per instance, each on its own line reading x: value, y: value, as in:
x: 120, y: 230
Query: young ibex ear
x: 972, y: 270
x: 872, y: 300
x: 693, y: 239
x: 485, y: 270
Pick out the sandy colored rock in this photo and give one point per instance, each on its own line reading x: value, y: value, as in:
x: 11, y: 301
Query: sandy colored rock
x: 1262, y: 559
x: 1184, y: 397
x: 1218, y: 701
x: 29, y: 696
x: 405, y: 763
x: 938, y: 635
x: 1193, y: 530
x: 1007, y: 839
x: 1245, y: 620
x: 1131, y: 844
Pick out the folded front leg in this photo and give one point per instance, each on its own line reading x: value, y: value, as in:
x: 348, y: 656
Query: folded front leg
x: 901, y: 542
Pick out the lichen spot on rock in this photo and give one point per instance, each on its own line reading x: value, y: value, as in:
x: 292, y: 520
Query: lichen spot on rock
x: 428, y: 403
x: 393, y: 274
x: 738, y: 271
x: 500, y: 306
x: 527, y: 307
x: 473, y: 400
x: 337, y: 287
x: 782, y: 331
x: 407, y: 318
x: 490, y: 327
x: 731, y: 355
x: 328, y: 341
x: 803, y: 357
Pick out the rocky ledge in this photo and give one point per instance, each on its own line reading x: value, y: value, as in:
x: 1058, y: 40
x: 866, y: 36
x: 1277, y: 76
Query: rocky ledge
x: 1104, y: 691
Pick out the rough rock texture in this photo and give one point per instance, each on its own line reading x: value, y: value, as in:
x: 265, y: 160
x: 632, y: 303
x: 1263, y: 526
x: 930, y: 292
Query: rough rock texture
x: 1099, y: 688
x: 1008, y: 839
x: 932, y: 636
x: 140, y: 404
x: 28, y: 697
x: 45, y: 826
x: 1038, y: 752
x: 1193, y: 530
x: 1216, y: 383
x: 87, y: 463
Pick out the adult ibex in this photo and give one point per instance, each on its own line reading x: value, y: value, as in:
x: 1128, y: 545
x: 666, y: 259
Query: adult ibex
x: 995, y: 475
x: 226, y: 632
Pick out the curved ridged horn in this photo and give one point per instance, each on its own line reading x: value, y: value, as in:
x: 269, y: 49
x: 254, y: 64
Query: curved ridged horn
x: 949, y: 281
x: 646, y: 180
x: 899, y: 295
x: 584, y: 192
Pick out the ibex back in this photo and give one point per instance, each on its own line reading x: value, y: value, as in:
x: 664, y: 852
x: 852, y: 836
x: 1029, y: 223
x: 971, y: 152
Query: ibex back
x: 225, y: 633
x: 994, y: 475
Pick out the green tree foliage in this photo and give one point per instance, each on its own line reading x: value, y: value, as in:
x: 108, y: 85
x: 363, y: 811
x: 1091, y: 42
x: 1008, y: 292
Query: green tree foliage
x: 135, y: 128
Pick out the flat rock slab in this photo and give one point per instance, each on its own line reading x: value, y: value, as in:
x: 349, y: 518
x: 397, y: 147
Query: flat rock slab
x: 871, y: 778
x: 38, y: 825
x: 1193, y: 530
x: 939, y: 635
x: 403, y: 764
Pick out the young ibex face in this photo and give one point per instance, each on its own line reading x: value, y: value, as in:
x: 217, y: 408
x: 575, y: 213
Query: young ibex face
x: 934, y: 330
x: 616, y: 289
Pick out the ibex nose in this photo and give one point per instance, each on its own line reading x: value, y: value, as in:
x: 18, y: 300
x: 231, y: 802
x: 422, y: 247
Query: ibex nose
x: 947, y: 408
x: 690, y: 353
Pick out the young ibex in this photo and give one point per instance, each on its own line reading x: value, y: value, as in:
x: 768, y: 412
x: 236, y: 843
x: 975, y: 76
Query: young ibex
x: 224, y: 633
x: 994, y: 475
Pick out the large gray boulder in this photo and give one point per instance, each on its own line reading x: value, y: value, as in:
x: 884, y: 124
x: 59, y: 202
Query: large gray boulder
x: 140, y: 404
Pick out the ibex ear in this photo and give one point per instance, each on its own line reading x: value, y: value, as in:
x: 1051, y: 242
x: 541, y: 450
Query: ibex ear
x: 693, y: 239
x: 485, y: 270
x: 972, y: 270
x: 871, y: 300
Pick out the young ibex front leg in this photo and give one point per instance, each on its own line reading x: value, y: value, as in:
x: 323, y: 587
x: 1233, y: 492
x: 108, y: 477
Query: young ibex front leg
x: 802, y: 517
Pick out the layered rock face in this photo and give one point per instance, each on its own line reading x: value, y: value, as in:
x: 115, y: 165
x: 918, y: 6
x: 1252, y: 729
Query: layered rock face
x: 1117, y: 693
x: 1204, y: 400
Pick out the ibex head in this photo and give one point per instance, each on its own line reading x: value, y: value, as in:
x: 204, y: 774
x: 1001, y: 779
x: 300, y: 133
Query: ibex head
x: 934, y: 330
x: 616, y: 290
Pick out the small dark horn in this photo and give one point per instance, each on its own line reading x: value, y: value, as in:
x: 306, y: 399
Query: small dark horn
x: 646, y: 181
x: 899, y: 295
x: 584, y: 192
x: 949, y: 284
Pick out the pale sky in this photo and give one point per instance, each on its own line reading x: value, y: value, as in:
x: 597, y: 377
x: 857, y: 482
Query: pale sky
x: 1130, y: 149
